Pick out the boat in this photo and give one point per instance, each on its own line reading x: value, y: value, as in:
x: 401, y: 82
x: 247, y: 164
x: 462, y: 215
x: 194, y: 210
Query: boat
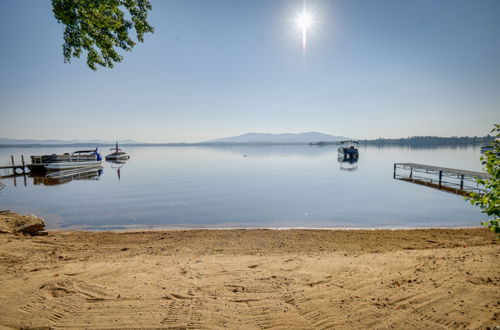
x: 77, y: 159
x: 349, y: 149
x: 117, y: 155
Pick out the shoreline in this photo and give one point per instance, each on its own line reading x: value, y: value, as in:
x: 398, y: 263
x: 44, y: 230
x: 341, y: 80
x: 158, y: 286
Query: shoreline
x: 160, y: 229
x: 252, y: 279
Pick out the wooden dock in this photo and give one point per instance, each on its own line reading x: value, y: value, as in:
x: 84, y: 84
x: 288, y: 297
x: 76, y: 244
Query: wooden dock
x: 15, y: 167
x: 443, y: 178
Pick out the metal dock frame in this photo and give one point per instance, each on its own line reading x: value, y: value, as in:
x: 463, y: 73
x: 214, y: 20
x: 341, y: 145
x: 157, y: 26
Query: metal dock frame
x: 436, y: 177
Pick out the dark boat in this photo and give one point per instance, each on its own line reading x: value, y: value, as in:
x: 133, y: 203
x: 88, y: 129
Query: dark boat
x: 349, y: 149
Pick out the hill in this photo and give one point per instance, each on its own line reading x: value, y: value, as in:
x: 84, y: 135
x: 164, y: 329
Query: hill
x: 283, y: 138
x: 6, y: 141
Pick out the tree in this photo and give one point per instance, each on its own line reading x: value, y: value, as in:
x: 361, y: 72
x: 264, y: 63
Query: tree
x: 100, y: 28
x: 489, y: 202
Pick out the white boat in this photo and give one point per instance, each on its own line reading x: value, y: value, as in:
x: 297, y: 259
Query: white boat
x: 117, y: 155
x: 78, y: 159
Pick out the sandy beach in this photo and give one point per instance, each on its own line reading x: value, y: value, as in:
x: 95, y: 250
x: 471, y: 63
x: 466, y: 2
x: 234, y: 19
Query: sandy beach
x: 251, y: 279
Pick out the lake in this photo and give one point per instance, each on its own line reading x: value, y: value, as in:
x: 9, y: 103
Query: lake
x: 296, y: 186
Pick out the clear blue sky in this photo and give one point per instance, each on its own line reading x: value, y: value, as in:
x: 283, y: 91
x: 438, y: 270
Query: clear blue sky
x: 221, y: 68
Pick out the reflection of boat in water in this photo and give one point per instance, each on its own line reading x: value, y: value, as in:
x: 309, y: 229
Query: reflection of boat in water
x: 348, y: 164
x: 348, y: 149
x: 117, y: 155
x: 78, y: 159
x: 117, y: 164
x: 65, y: 176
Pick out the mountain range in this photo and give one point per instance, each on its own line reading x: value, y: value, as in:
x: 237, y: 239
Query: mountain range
x: 249, y: 138
x: 7, y: 141
x: 283, y: 138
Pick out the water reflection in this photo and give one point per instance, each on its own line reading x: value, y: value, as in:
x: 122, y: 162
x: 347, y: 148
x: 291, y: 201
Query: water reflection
x: 117, y: 165
x: 66, y: 176
x: 347, y: 164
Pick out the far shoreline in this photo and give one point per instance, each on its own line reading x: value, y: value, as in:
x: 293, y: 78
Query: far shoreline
x: 162, y: 229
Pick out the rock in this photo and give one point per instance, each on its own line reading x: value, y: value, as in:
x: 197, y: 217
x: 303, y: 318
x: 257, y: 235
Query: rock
x: 11, y: 222
x: 41, y: 233
x: 32, y: 224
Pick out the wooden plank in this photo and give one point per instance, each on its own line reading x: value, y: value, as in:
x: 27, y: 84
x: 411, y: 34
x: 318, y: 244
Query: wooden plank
x: 10, y: 167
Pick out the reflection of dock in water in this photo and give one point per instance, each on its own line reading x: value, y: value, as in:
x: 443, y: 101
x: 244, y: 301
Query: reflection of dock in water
x: 452, y: 180
x: 56, y: 178
x: 61, y: 177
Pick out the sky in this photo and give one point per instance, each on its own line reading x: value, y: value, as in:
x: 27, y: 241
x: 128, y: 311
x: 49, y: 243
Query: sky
x: 220, y: 68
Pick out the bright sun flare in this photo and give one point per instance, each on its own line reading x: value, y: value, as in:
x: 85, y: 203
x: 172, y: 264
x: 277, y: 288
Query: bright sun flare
x: 304, y: 22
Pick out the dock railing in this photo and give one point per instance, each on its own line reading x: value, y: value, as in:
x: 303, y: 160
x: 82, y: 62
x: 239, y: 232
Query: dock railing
x: 453, y: 180
x: 14, y: 167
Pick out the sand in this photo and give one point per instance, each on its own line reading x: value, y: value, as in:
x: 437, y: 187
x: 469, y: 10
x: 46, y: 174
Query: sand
x: 252, y: 279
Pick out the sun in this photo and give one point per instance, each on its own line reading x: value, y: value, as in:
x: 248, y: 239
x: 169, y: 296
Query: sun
x: 304, y: 22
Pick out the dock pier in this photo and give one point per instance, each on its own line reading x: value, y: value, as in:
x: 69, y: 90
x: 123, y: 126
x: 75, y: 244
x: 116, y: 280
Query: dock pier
x: 17, y: 170
x: 14, y: 167
x: 453, y: 180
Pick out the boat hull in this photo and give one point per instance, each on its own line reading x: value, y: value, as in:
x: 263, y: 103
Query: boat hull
x: 117, y: 157
x: 348, y: 153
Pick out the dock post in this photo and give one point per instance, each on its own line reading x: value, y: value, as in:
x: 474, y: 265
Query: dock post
x: 440, y: 178
x: 12, y: 160
x: 462, y: 182
x: 394, y: 174
x: 411, y: 172
x: 24, y: 165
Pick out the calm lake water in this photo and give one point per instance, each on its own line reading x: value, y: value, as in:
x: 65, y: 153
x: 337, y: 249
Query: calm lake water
x: 219, y: 187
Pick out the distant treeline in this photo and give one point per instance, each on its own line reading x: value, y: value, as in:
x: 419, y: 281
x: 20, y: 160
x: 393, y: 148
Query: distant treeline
x: 430, y: 141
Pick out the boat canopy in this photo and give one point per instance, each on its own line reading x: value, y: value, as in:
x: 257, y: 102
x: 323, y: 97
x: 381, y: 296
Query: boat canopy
x: 349, y: 141
x: 84, y: 151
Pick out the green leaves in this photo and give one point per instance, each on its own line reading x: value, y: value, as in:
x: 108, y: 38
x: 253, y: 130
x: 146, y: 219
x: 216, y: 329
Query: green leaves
x: 100, y: 28
x: 492, y: 225
x: 489, y: 202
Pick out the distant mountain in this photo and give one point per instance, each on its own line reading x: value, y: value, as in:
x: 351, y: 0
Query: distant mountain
x: 284, y: 138
x: 32, y: 141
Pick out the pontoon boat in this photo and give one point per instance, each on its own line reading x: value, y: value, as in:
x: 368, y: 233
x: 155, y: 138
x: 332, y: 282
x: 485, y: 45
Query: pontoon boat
x: 78, y: 159
x: 349, y: 149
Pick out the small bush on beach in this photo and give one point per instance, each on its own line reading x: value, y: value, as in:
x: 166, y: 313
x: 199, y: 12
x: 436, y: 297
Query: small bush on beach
x: 489, y: 202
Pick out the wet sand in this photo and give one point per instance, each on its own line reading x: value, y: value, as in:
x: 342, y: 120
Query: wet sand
x: 252, y: 279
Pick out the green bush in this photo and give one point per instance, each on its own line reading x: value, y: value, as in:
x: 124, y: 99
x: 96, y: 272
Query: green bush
x: 489, y: 202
